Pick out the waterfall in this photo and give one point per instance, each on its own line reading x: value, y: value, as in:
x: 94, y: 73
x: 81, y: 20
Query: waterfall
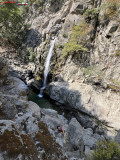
x: 47, y: 67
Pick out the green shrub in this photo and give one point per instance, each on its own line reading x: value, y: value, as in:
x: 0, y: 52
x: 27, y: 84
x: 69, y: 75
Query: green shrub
x: 78, y: 40
x: 12, y: 28
x: 110, y: 9
x: 31, y: 54
x: 71, y: 48
x: 91, y: 14
x: 106, y: 150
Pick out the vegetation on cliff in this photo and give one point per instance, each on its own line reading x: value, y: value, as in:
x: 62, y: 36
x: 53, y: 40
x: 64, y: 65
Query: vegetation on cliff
x: 12, y: 28
x: 106, y: 150
x: 110, y: 9
x: 78, y: 39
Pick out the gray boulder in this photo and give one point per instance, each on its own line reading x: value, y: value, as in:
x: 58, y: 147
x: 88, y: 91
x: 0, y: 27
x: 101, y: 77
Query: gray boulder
x: 73, y: 139
x: 13, y: 97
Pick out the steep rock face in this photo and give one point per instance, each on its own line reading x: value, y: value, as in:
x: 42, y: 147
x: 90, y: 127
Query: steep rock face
x: 50, y: 23
x: 106, y: 52
x: 102, y: 104
x: 94, y: 77
x: 29, y: 132
x: 94, y: 89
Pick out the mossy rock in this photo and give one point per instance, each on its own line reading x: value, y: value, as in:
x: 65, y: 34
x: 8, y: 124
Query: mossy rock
x: 48, y: 143
x: 14, y: 144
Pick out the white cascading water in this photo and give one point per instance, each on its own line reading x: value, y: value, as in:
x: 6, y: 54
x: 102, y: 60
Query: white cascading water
x: 47, y: 67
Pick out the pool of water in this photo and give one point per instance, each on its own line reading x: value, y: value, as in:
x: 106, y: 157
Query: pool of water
x: 46, y: 103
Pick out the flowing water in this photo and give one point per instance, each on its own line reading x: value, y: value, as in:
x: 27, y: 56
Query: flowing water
x: 47, y: 67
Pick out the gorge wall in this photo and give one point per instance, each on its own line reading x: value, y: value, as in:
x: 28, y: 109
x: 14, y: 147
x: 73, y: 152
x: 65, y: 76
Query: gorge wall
x: 84, y: 78
x: 87, y: 81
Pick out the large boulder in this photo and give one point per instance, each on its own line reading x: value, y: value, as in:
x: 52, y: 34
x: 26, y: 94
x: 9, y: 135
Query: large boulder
x: 34, y: 109
x: 13, y: 97
x: 83, y: 97
x: 73, y: 139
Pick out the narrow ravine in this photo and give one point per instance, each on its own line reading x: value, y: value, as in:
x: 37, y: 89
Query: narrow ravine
x: 60, y: 80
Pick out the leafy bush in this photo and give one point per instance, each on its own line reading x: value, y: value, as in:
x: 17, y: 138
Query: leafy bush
x: 12, y: 28
x: 106, y: 150
x: 91, y: 14
x: 78, y: 40
x: 31, y: 53
x: 110, y: 8
x: 72, y: 47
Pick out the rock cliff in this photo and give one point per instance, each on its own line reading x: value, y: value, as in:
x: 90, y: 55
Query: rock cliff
x: 92, y: 79
x: 84, y: 76
x: 29, y: 132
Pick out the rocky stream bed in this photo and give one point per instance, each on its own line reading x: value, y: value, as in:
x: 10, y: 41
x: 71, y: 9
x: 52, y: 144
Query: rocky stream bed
x: 29, y: 132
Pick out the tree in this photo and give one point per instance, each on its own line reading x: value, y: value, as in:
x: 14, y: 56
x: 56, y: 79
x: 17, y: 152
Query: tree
x: 11, y: 24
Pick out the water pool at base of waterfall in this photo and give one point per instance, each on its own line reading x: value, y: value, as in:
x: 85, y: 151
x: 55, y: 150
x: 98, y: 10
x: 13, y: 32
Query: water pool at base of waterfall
x: 42, y: 102
x: 46, y: 103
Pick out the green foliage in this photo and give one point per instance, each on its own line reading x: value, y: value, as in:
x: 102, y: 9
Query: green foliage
x: 91, y: 14
x: 78, y: 40
x: 106, y: 150
x: 110, y: 9
x: 12, y: 29
x: 31, y: 54
x: 72, y: 47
